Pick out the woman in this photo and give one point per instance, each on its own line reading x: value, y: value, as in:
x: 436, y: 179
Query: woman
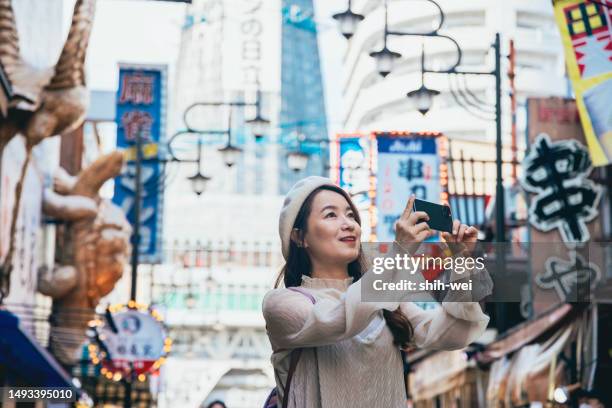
x: 349, y: 349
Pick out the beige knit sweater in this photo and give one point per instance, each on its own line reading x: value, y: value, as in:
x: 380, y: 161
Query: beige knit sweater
x: 349, y: 358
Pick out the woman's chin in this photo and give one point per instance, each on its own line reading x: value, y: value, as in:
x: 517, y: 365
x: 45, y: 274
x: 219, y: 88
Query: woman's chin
x: 347, y: 257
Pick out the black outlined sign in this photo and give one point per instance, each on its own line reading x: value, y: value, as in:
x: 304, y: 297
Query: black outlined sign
x: 565, y: 198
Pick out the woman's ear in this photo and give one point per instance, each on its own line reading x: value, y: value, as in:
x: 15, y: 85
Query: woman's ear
x: 297, y: 238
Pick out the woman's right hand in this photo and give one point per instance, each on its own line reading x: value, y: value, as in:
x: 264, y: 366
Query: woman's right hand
x: 411, y: 228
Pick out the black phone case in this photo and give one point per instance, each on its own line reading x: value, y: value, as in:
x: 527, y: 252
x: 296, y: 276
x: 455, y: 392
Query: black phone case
x: 440, y: 217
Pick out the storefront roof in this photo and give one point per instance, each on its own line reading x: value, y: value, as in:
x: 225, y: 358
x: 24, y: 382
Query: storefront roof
x: 526, y: 333
x: 24, y: 357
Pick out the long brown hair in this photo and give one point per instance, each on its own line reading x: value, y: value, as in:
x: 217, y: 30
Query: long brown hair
x: 299, y: 264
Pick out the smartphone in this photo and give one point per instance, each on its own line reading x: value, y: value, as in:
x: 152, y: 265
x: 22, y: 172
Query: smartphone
x: 440, y: 217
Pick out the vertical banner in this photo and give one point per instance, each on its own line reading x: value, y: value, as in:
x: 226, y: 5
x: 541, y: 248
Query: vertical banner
x: 587, y: 39
x: 406, y: 163
x: 352, y: 161
x: 141, y: 109
x: 563, y: 202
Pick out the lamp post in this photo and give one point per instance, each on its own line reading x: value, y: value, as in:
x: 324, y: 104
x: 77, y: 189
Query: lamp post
x: 198, y: 181
x: 423, y: 96
x: 230, y: 153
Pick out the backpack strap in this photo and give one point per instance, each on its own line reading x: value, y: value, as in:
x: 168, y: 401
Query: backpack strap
x: 304, y: 292
x: 296, y: 353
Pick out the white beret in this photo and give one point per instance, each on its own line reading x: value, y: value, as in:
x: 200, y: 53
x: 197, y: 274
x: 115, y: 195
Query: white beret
x: 292, y: 204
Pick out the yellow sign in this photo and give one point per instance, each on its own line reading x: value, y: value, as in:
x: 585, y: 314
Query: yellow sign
x: 586, y: 33
x: 149, y: 151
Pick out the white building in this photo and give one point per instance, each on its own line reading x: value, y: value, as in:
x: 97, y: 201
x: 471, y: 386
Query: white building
x: 227, y: 47
x: 374, y: 103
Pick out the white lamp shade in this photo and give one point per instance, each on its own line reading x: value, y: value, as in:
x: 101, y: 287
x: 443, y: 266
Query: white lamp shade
x: 385, y: 60
x: 259, y: 126
x: 297, y: 161
x: 423, y: 98
x: 347, y: 22
x: 230, y: 154
x: 199, y: 182
x: 384, y: 64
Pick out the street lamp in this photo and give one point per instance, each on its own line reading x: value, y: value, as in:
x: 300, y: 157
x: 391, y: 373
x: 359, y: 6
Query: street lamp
x: 347, y: 21
x: 259, y: 125
x: 423, y: 97
x: 385, y: 58
x: 198, y: 182
x: 229, y: 152
x: 297, y: 160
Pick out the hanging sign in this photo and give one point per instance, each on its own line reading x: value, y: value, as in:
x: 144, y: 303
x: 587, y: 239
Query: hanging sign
x: 130, y: 341
x: 141, y: 112
x: 406, y: 163
x: 586, y: 34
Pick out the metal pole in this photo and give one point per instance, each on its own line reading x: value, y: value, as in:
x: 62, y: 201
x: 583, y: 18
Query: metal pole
x: 512, y: 75
x: 499, y: 191
x: 137, y: 204
x: 127, y: 401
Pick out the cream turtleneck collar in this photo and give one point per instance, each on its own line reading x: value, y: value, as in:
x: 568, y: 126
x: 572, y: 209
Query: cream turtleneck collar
x: 320, y: 283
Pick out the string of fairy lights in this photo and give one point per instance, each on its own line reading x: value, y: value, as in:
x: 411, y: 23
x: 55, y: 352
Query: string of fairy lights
x: 98, y: 352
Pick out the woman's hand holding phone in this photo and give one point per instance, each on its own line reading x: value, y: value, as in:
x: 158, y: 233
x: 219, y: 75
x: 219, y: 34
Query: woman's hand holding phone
x: 463, y: 238
x: 411, y: 228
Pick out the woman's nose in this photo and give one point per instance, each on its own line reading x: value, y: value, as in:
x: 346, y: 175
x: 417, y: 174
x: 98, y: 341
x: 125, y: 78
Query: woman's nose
x: 348, y: 224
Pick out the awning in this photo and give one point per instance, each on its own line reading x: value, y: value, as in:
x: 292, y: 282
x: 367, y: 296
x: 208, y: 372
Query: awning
x: 525, y: 333
x: 22, y: 355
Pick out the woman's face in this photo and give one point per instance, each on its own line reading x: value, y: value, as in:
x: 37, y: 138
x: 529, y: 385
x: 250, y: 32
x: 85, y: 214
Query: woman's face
x: 333, y: 234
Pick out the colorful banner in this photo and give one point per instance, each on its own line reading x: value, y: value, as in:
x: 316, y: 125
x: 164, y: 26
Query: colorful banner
x: 352, y: 160
x: 141, y: 111
x: 406, y: 164
x: 587, y: 39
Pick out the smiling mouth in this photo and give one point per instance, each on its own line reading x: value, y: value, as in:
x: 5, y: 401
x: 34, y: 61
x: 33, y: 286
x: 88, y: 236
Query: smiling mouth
x: 348, y: 239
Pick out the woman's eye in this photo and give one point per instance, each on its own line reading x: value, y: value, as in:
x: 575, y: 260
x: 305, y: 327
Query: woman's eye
x: 352, y: 215
x: 329, y: 215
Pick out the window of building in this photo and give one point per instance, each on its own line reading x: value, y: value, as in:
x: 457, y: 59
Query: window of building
x: 534, y: 21
x: 473, y: 18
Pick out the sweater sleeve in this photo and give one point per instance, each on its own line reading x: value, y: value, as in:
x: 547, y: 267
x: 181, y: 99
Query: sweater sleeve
x: 451, y: 326
x: 292, y: 321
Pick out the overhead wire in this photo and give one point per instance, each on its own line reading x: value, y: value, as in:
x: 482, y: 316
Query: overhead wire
x: 462, y: 104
